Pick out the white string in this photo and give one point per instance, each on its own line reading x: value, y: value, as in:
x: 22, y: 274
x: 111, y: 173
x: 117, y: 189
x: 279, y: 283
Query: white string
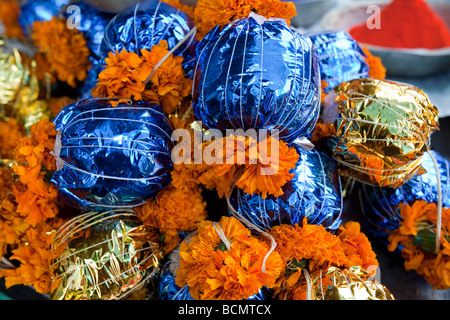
x: 439, y: 205
x: 254, y: 227
x: 222, y: 236
x: 308, y: 284
x: 160, y: 62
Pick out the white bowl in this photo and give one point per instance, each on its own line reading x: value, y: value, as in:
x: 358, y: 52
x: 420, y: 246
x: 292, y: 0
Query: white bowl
x: 398, y: 62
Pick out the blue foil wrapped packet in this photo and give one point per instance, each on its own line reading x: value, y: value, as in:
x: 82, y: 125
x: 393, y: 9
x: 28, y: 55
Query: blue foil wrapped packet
x: 39, y: 10
x: 145, y: 24
x: 380, y: 205
x: 315, y: 192
x: 85, y: 90
x: 257, y: 73
x: 340, y: 58
x: 111, y: 156
x: 90, y: 21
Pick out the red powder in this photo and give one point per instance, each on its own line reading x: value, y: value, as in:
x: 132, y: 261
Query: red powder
x: 406, y: 24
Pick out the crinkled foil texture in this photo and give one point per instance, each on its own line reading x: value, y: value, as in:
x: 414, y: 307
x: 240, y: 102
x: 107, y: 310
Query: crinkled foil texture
x: 39, y: 10
x: 92, y: 23
x: 257, y: 75
x: 383, y: 128
x: 112, y: 157
x: 340, y: 58
x: 314, y: 193
x: 19, y: 87
x: 380, y: 205
x: 348, y: 284
x: 142, y: 26
x: 104, y: 256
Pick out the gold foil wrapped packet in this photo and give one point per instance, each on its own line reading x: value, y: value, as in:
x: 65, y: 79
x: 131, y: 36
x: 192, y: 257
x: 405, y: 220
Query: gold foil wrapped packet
x: 346, y: 284
x: 382, y: 128
x: 104, y: 256
x: 20, y: 90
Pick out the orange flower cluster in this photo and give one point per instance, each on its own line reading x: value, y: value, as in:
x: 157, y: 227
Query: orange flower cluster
x: 36, y: 199
x: 376, y: 68
x: 226, y: 266
x: 11, y: 131
x: 130, y: 76
x: 417, y: 235
x: 313, y: 247
x: 35, y: 255
x: 12, y: 226
x: 173, y: 210
x: 322, y: 131
x: 9, y: 17
x: 242, y: 162
x: 211, y: 13
x: 64, y: 49
x: 182, y: 7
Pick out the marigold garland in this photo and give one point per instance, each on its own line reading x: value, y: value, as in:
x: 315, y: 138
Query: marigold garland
x: 11, y: 131
x: 173, y: 210
x: 416, y: 236
x: 211, y: 13
x: 64, y: 49
x: 313, y: 247
x: 36, y: 199
x: 126, y: 75
x: 215, y: 270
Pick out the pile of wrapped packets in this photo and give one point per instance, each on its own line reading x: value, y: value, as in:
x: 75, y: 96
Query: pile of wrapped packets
x: 160, y: 151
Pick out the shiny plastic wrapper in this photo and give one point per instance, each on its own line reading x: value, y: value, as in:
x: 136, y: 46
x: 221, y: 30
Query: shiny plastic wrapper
x: 85, y: 91
x: 383, y: 128
x: 257, y: 73
x: 314, y: 193
x: 353, y: 283
x: 380, y: 205
x: 104, y: 256
x: 39, y: 10
x: 340, y: 58
x: 143, y: 25
x: 111, y: 156
x: 90, y: 21
x: 19, y: 86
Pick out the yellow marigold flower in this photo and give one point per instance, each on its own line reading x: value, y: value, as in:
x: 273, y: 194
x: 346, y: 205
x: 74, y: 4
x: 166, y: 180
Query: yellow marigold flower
x: 211, y: 13
x: 230, y: 270
x: 65, y: 50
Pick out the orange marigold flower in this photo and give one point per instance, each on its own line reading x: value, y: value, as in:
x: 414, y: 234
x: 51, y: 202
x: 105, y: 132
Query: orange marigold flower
x: 322, y: 131
x: 226, y: 267
x: 173, y: 210
x: 57, y: 104
x: 35, y: 257
x: 357, y: 246
x: 11, y: 131
x: 129, y: 76
x: 256, y: 166
x: 210, y: 13
x: 65, y: 50
x: 376, y: 68
x: 168, y: 83
x: 417, y: 237
x: 324, y: 85
x: 9, y: 17
x: 182, y: 7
